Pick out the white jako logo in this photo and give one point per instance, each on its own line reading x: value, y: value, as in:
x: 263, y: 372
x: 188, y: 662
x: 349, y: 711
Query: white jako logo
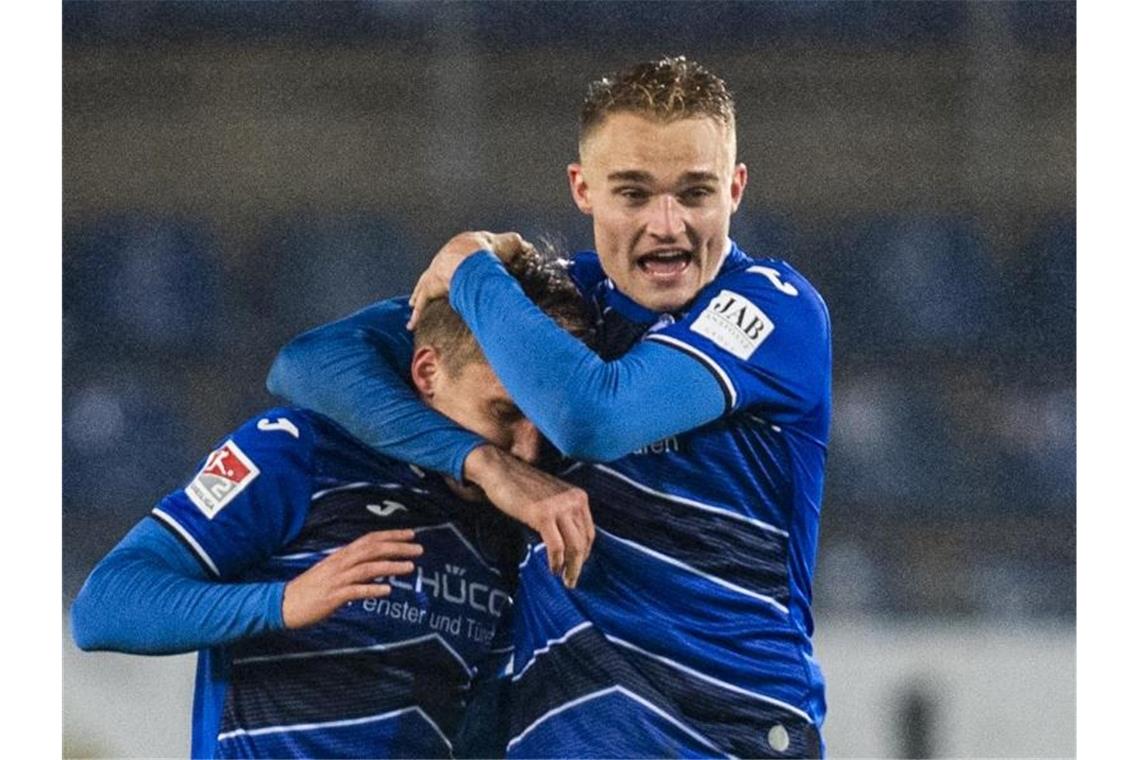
x: 387, y: 509
x: 773, y: 276
x: 279, y: 424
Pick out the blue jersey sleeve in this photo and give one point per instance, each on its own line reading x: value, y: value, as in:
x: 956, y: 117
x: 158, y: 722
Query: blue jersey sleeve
x: 764, y: 333
x: 150, y: 595
x: 249, y: 497
x: 354, y: 371
x: 589, y: 408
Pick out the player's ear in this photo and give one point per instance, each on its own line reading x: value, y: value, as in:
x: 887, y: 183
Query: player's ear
x: 739, y: 182
x: 578, y: 189
x: 426, y: 367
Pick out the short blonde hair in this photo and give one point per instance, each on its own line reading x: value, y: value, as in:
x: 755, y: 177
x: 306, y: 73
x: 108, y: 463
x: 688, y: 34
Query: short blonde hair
x: 668, y: 89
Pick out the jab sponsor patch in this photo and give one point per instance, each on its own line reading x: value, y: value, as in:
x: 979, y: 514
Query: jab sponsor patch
x: 734, y: 323
x: 226, y: 474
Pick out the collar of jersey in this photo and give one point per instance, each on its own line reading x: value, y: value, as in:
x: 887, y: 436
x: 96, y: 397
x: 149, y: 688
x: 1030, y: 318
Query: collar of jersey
x: 635, y: 312
x: 626, y: 306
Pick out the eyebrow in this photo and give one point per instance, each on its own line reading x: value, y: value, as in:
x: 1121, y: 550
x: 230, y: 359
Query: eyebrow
x: 635, y: 175
x: 630, y: 175
x: 688, y: 177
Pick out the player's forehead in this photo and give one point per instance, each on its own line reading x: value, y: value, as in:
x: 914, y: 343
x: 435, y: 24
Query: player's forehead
x: 629, y: 145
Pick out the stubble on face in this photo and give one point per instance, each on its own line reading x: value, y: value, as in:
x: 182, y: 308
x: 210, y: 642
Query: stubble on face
x: 661, y: 195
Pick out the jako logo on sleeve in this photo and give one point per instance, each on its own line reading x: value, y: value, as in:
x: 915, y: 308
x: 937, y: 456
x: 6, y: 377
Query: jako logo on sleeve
x: 734, y: 323
x: 226, y: 474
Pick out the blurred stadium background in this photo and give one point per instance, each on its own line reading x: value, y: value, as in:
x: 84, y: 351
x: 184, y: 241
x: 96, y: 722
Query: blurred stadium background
x: 237, y: 172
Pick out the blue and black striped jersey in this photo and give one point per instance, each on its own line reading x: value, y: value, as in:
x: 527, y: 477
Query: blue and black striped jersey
x: 384, y: 677
x: 689, y: 633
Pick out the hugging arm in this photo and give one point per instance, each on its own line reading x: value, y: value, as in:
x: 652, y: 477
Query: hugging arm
x: 589, y: 408
x: 354, y: 371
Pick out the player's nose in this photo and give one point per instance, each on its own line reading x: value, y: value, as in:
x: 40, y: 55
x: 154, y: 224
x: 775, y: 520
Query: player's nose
x: 666, y: 218
x: 526, y: 444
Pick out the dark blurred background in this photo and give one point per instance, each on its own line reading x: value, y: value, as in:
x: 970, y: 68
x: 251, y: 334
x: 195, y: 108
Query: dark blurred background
x: 237, y: 172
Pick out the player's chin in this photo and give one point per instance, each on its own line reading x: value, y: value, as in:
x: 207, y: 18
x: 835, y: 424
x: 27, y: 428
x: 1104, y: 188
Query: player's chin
x: 667, y: 295
x: 662, y: 303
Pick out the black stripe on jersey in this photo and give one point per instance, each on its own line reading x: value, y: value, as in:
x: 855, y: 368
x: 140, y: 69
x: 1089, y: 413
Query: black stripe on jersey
x: 340, y: 517
x: 713, y: 543
x: 291, y: 691
x: 327, y: 638
x: 738, y: 723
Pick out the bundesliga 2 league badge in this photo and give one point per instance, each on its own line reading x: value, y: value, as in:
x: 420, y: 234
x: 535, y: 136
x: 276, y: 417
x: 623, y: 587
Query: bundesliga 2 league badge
x: 226, y: 474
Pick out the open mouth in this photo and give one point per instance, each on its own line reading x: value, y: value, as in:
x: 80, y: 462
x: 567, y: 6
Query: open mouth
x: 665, y: 263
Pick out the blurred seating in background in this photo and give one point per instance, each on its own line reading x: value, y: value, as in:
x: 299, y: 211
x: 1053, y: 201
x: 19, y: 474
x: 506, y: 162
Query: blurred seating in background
x: 536, y: 23
x: 139, y: 286
x: 312, y: 268
x: 932, y: 283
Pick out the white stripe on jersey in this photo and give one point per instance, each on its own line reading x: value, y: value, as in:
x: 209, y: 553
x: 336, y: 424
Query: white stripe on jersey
x: 709, y: 679
x: 189, y: 539
x: 614, y: 690
x: 306, y: 555
x: 690, y: 502
x: 704, y: 359
x: 345, y: 487
x: 364, y: 484
x: 356, y: 650
x: 530, y: 553
x: 764, y: 422
x: 549, y: 643
x: 424, y: 528
x: 570, y: 469
x: 678, y: 563
x: 336, y: 724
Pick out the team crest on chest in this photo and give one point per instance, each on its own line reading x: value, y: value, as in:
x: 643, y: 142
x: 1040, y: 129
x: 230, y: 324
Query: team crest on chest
x: 734, y: 323
x: 226, y: 474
